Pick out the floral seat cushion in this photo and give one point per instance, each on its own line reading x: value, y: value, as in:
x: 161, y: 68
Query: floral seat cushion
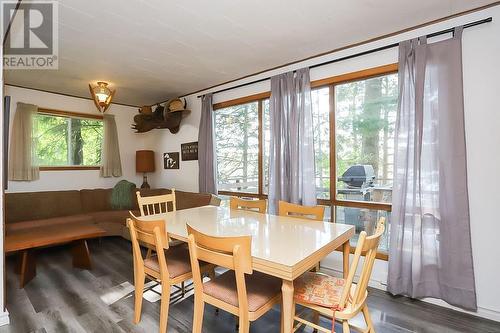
x: 319, y: 289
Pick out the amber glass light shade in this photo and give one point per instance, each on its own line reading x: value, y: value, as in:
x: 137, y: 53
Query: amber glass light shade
x: 145, y: 161
x: 101, y: 95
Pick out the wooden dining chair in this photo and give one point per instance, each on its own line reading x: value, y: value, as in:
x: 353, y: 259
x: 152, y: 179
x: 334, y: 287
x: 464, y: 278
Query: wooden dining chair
x: 252, y: 205
x: 315, y: 213
x: 337, y: 298
x: 168, y: 266
x: 305, y: 212
x: 239, y: 291
x: 156, y: 204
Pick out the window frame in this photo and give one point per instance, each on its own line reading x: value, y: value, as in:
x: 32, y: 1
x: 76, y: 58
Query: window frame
x: 69, y: 114
x: 331, y: 83
x: 259, y: 99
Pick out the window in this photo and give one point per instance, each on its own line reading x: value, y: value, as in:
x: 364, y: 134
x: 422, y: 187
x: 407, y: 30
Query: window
x: 63, y: 140
x: 354, y: 118
x: 266, y: 144
x: 364, y: 219
x: 365, y: 118
x: 321, y: 131
x: 237, y: 146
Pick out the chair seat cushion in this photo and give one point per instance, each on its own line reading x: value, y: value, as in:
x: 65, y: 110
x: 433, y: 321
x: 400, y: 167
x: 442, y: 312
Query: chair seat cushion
x: 319, y: 289
x: 178, y: 261
x: 261, y: 288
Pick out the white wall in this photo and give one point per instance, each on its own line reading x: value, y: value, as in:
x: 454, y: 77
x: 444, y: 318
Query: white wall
x: 481, y: 57
x: 186, y: 177
x: 73, y: 179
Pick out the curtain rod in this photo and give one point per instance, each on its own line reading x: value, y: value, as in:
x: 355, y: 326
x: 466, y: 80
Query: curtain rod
x: 378, y: 49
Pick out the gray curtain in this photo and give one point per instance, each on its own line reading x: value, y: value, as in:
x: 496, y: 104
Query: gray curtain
x: 430, y: 246
x: 291, y: 155
x: 111, y: 165
x: 207, y: 157
x: 22, y: 161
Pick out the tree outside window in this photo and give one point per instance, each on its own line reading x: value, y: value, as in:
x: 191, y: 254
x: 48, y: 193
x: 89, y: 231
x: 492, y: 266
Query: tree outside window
x: 67, y: 141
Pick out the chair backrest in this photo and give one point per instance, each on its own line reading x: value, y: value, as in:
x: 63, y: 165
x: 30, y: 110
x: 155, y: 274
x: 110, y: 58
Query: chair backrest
x: 306, y: 212
x: 229, y: 252
x: 151, y: 233
x: 253, y: 205
x: 157, y: 204
x: 367, y: 246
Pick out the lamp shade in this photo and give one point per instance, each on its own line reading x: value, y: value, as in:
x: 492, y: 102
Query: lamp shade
x: 144, y: 161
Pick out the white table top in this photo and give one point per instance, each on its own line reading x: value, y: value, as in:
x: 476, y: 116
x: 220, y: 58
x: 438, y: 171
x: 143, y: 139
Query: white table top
x: 281, y: 246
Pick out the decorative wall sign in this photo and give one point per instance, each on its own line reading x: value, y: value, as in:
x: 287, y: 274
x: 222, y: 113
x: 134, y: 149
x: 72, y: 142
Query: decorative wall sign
x: 171, y: 160
x: 189, y: 151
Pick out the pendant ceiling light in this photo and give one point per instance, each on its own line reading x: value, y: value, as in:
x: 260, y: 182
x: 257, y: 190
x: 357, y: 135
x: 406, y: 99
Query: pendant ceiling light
x: 101, y: 95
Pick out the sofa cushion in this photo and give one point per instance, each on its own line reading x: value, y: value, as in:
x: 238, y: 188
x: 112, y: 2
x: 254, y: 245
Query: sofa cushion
x: 114, y: 216
x: 47, y: 207
x: 185, y: 200
x: 96, y: 200
x: 73, y: 219
x: 30, y: 206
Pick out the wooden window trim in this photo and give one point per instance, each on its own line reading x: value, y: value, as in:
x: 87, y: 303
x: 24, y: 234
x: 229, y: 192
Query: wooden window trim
x: 69, y: 114
x: 363, y: 204
x: 333, y: 80
x: 243, y: 194
x: 69, y: 167
x: 364, y: 74
x: 242, y: 100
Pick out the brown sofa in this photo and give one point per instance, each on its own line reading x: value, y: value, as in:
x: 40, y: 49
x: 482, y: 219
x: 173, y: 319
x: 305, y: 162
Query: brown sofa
x: 38, y: 209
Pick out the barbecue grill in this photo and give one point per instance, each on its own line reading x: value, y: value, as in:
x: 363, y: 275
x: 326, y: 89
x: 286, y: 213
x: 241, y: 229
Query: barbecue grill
x: 358, y: 180
x: 358, y: 176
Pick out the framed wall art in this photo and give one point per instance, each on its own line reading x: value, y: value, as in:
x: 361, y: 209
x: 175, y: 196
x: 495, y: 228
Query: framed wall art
x: 189, y: 151
x: 171, y: 160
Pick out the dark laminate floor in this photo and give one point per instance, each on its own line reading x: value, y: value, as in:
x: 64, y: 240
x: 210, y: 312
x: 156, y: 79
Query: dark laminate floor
x: 63, y: 299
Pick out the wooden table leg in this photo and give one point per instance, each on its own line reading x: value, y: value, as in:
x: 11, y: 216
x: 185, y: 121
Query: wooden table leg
x: 81, y: 254
x: 346, y: 249
x: 288, y: 310
x: 26, y: 267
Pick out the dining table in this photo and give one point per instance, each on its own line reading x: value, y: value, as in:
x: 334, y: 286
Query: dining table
x: 284, y: 247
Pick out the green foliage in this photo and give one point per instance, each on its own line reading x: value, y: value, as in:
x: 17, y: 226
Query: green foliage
x: 62, y: 141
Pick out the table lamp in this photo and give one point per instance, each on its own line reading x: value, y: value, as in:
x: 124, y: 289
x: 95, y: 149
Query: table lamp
x: 145, y: 162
